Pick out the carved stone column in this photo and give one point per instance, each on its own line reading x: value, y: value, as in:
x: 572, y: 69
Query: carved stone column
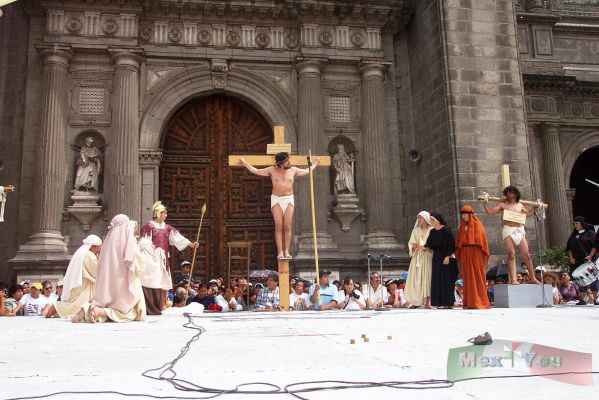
x: 311, y: 129
x: 45, y: 250
x: 123, y: 191
x: 376, y: 159
x: 558, y: 215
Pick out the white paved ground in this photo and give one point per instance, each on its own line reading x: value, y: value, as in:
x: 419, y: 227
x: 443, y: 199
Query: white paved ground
x: 40, y: 356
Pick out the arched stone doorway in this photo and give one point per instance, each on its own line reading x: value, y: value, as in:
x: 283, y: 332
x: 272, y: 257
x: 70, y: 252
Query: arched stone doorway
x: 194, y: 170
x: 586, y: 196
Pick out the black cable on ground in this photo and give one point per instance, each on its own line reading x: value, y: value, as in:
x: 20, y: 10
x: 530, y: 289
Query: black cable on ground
x: 168, y: 374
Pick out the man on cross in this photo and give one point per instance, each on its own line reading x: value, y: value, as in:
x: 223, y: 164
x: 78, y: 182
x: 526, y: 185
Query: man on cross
x: 513, y: 233
x: 282, y: 175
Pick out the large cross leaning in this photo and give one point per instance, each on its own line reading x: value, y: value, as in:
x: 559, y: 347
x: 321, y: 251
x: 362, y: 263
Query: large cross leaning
x: 505, y: 181
x: 268, y: 159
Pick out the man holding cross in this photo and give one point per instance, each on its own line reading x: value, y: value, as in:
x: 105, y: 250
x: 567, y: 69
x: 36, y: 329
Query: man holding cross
x: 282, y: 205
x: 513, y: 233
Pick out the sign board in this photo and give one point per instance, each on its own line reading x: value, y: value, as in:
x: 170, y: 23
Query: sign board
x: 513, y: 216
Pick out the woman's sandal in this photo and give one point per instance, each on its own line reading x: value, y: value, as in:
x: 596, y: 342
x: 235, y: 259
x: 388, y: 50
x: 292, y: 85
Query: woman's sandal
x: 481, y: 339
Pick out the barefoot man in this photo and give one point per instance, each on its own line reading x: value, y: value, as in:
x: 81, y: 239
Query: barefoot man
x: 513, y: 233
x: 282, y: 175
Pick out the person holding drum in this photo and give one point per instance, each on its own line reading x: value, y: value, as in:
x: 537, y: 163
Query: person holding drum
x: 580, y: 243
x: 581, y: 255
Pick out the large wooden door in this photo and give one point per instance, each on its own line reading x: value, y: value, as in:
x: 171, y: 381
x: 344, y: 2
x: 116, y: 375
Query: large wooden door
x: 194, y: 171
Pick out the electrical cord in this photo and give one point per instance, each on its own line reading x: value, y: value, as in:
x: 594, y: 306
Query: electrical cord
x: 168, y: 374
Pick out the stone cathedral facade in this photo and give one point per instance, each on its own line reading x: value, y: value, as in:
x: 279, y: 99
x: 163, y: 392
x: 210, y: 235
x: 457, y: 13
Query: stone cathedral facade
x: 427, y: 99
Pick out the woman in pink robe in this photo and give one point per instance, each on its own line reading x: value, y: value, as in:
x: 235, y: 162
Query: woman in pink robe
x: 118, y: 296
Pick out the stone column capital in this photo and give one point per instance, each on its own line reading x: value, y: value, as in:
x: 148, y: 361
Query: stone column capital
x: 309, y: 65
x: 128, y: 58
x: 55, y: 54
x: 370, y: 68
x: 550, y: 129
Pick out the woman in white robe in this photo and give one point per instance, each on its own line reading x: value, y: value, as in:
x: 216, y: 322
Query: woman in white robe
x: 80, y: 278
x: 418, y: 284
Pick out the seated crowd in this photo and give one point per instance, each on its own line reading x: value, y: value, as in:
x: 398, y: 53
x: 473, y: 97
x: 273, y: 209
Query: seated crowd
x: 36, y: 298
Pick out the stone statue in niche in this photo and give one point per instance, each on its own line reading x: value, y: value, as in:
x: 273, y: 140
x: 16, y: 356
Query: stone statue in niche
x: 343, y: 163
x: 347, y: 204
x: 89, y: 167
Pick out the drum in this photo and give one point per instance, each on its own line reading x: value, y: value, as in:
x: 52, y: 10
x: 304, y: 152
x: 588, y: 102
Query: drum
x: 586, y: 274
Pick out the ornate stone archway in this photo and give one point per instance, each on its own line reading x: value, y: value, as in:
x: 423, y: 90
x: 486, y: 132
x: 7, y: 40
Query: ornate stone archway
x: 180, y: 86
x: 574, y: 148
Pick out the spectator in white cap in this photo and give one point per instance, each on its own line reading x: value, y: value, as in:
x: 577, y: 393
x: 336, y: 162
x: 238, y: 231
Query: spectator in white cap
x: 26, y: 284
x: 538, y: 270
x: 79, y: 283
x: 59, y: 288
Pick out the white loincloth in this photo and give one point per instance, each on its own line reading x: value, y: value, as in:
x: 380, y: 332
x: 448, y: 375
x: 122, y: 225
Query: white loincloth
x: 282, y: 201
x: 516, y: 233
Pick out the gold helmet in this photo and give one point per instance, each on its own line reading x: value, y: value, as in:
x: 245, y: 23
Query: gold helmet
x: 157, y: 209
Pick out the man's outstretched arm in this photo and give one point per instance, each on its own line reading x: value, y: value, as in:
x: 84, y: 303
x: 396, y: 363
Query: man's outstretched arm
x: 306, y: 171
x: 254, y: 170
x: 491, y: 210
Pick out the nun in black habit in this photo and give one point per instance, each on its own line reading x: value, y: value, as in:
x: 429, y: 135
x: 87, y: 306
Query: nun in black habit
x: 445, y: 268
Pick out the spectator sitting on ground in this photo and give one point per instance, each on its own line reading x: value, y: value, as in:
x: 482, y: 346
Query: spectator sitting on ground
x: 183, y: 274
x: 538, y: 271
x: 59, y: 287
x: 255, y: 292
x: 26, y: 284
x: 195, y: 287
x: 458, y: 293
x: 241, y: 293
x: 375, y: 293
x: 324, y: 296
x: 178, y: 301
x: 33, y: 304
x: 15, y: 294
x: 206, y: 299
x: 307, y: 285
x: 362, y: 287
x: 269, y: 298
x: 3, y: 296
x: 292, y: 283
x: 299, y: 300
x: 47, y: 294
x: 350, y: 298
x: 586, y: 296
x: 338, y: 284
x: 230, y: 300
x: 403, y: 302
x: 491, y: 290
x: 396, y: 298
x: 179, y: 307
x: 550, y: 278
x: 568, y: 291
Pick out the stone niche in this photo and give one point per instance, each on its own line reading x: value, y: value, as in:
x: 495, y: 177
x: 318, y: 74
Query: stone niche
x: 87, y: 183
x: 343, y: 181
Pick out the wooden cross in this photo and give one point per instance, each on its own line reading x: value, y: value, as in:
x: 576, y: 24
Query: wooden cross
x: 266, y: 160
x: 505, y: 181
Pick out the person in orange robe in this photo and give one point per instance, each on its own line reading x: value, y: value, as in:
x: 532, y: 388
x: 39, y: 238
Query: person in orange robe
x: 472, y: 251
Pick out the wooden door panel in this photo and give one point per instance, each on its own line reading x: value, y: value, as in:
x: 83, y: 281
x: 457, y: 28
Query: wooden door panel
x: 194, y: 171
